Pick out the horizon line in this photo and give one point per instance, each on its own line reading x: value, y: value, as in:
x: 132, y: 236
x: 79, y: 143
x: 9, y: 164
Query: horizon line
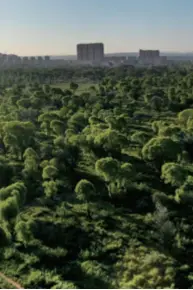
x: 124, y: 52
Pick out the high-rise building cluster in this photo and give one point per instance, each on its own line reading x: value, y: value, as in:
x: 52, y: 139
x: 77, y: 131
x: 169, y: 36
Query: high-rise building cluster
x: 90, y: 52
x: 12, y: 60
x: 151, y: 57
x: 35, y: 60
x: 93, y: 53
x: 87, y: 54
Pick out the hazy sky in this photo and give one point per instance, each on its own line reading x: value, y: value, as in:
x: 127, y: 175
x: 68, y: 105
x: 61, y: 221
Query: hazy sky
x: 38, y: 27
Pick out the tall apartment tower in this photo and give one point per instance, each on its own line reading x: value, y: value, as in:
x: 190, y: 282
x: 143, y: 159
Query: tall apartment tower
x: 149, y: 53
x: 149, y: 57
x: 90, y: 52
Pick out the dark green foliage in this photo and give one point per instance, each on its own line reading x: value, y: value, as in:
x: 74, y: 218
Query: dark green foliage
x: 84, y: 190
x: 16, y: 190
x: 161, y: 149
x: 9, y: 208
x: 96, y: 184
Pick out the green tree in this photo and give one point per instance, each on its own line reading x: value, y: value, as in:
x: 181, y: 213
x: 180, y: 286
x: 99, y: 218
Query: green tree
x: 31, y: 163
x: 111, y: 140
x: 108, y: 168
x: 24, y: 231
x: 174, y: 173
x: 73, y: 86
x: 156, y: 103
x: 18, y: 136
x: 184, y: 194
x: 9, y: 208
x: 141, y: 269
x: 45, y: 119
x: 17, y: 190
x: 50, y: 188
x: 185, y: 116
x: 85, y: 190
x: 140, y: 137
x: 77, y: 121
x: 57, y: 127
x: 49, y: 172
x: 160, y: 150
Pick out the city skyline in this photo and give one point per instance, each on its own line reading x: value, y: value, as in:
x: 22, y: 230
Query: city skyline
x: 54, y: 27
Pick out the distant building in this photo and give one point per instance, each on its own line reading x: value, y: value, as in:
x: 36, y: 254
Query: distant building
x: 46, y: 58
x: 40, y: 58
x: 151, y: 57
x: 93, y: 52
x: 25, y: 59
x: 131, y: 60
x: 149, y: 53
x: 81, y: 52
x: 163, y: 60
x: 114, y: 58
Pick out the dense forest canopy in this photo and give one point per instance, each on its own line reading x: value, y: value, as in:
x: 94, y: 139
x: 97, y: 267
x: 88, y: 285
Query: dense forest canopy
x: 96, y: 186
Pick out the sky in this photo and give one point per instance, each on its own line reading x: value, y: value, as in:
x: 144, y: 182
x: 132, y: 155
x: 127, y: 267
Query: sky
x: 54, y: 27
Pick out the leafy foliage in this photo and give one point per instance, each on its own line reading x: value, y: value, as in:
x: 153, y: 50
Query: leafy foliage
x: 96, y: 185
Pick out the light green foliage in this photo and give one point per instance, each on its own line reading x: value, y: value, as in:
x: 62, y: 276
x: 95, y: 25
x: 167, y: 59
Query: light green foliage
x: 185, y: 116
x: 85, y: 190
x: 47, y: 117
x: 96, y: 182
x: 126, y: 172
x: 164, y: 229
x: 174, y: 173
x: 9, y: 208
x: 54, y: 162
x: 158, y: 125
x: 16, y: 190
x: 140, y: 137
x: 161, y: 148
x: 21, y: 134
x: 49, y: 172
x: 184, y: 194
x: 23, y: 231
x: 31, y: 162
x: 77, y: 121
x: 44, y: 163
x: 57, y: 126
x: 46, y: 278
x: 170, y: 131
x: 24, y: 103
x: 59, y: 141
x: 50, y: 188
x: 94, y: 271
x: 111, y: 139
x: 30, y: 165
x: 108, y: 168
x: 30, y: 153
x: 190, y: 124
x: 64, y: 285
x: 145, y: 269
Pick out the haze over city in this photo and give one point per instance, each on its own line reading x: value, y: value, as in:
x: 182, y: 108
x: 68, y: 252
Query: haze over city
x: 54, y: 27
